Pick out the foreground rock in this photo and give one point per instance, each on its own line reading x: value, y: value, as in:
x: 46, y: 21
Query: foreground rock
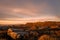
x: 47, y: 37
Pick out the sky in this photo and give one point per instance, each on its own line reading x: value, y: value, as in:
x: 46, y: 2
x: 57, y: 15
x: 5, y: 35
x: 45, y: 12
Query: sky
x: 23, y: 11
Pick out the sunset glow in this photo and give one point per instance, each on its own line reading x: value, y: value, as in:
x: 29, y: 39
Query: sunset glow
x: 23, y: 11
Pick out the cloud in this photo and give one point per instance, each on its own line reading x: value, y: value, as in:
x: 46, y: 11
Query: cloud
x: 25, y: 20
x: 27, y: 10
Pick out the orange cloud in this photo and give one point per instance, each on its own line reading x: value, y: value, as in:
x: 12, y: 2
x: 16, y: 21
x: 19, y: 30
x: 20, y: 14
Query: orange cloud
x: 25, y: 20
